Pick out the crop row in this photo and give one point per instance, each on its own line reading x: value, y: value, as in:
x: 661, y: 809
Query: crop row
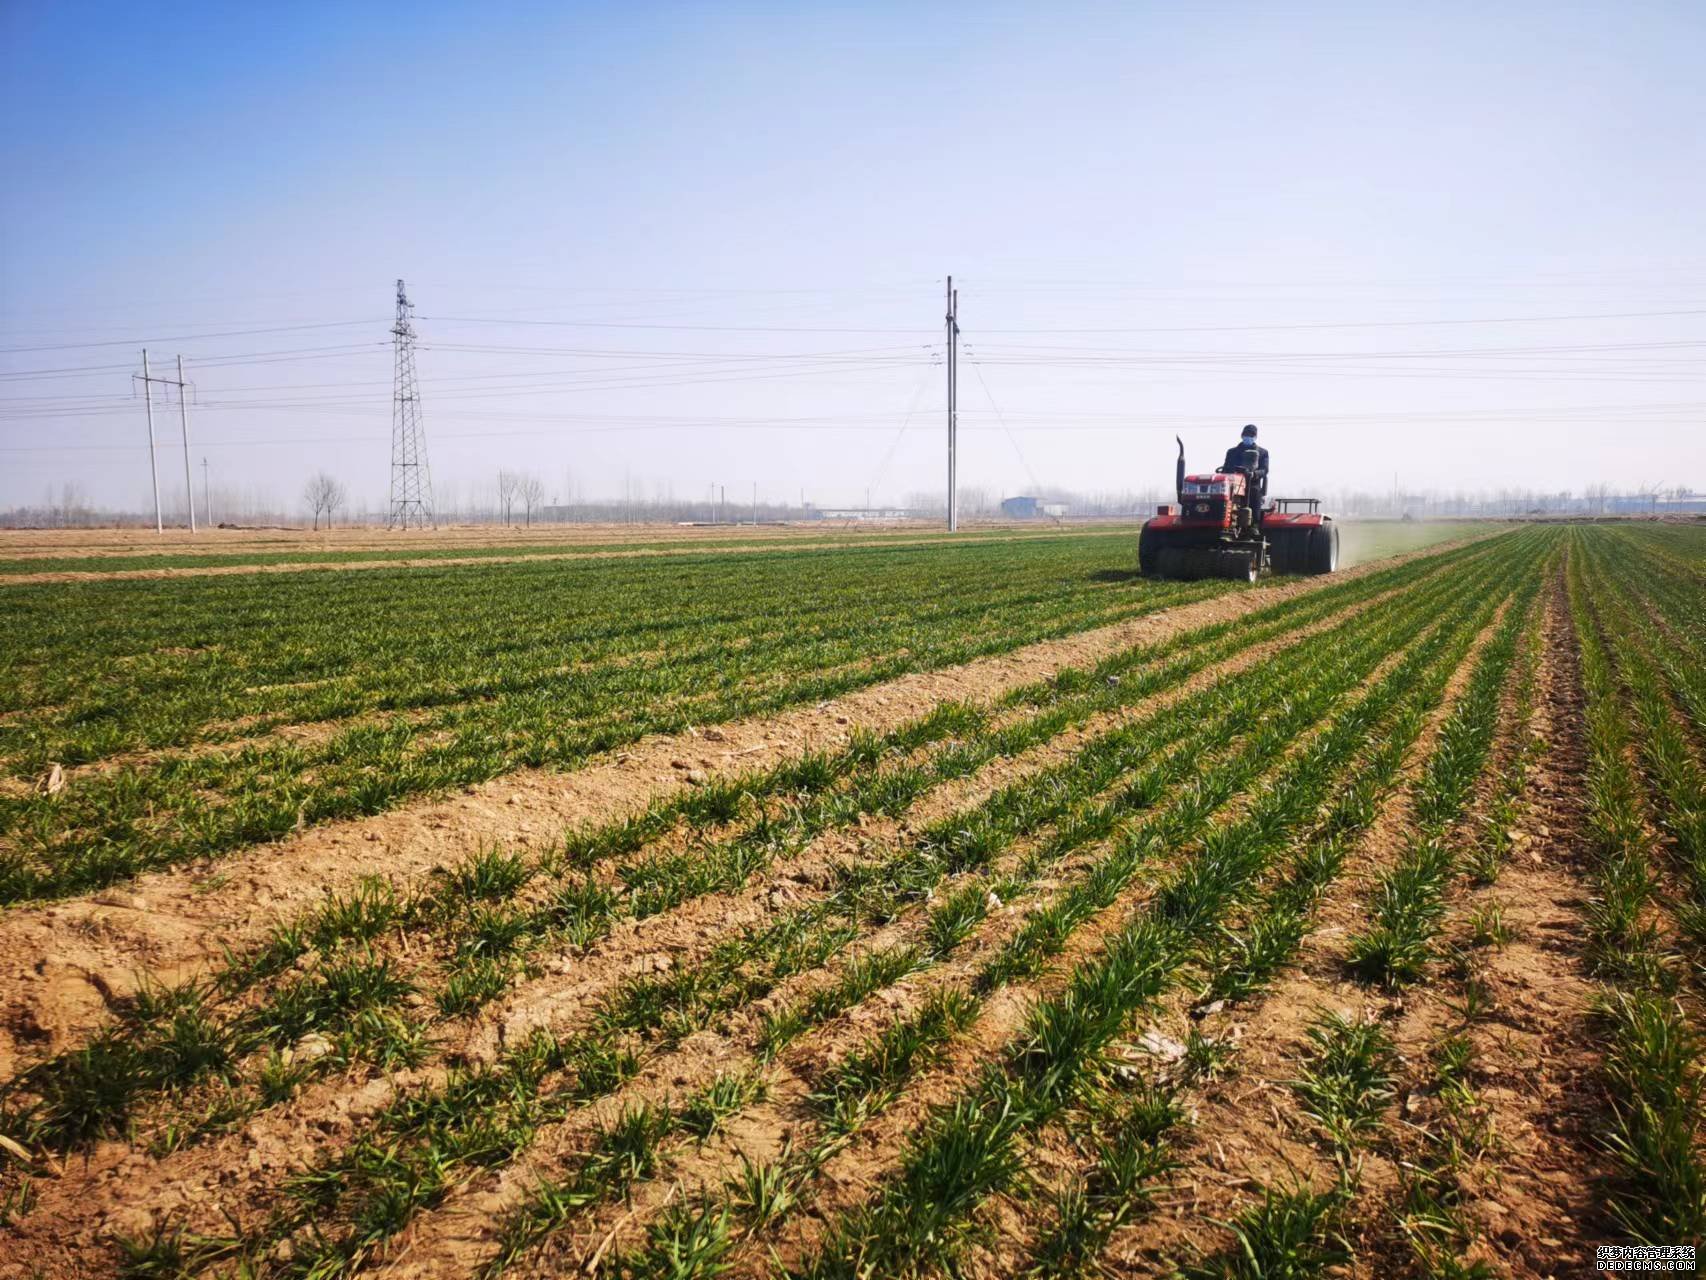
x: 971, y: 1147
x: 1343, y: 1081
x: 1140, y: 1127
x: 870, y: 1077
x: 1666, y: 604
x: 475, y: 918
x: 458, y: 1125
x: 1437, y: 1160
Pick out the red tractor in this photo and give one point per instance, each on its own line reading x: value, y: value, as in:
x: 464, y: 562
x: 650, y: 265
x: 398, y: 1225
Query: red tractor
x: 1215, y: 531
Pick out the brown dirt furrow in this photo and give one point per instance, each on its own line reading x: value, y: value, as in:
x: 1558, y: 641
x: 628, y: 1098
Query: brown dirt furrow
x: 1248, y: 1131
x: 63, y: 964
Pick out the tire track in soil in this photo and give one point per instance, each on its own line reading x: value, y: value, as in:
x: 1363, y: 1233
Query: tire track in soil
x: 63, y: 965
x: 119, y: 1192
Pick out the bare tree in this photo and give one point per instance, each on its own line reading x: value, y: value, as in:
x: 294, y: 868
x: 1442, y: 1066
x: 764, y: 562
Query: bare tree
x: 508, y: 482
x: 71, y: 507
x: 324, y: 493
x: 531, y: 490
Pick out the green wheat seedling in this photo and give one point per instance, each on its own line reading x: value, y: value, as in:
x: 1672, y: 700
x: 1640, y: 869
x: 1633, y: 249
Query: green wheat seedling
x: 582, y: 910
x: 1065, y: 1034
x: 553, y: 694
x: 868, y: 1080
x: 1346, y: 1081
x: 788, y: 1023
x: 1069, y: 1026
x: 548, y: 694
x: 1291, y: 1233
x: 488, y: 932
x: 1654, y: 1074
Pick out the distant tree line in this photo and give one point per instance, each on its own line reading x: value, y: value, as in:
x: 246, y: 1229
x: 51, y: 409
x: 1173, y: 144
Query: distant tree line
x: 524, y: 499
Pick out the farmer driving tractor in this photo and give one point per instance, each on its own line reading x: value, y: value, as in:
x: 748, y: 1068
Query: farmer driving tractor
x: 1251, y: 459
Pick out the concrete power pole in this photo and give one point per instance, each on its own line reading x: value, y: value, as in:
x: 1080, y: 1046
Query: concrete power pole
x: 184, y: 425
x: 953, y: 321
x: 153, y: 462
x: 148, y: 381
x: 206, y: 494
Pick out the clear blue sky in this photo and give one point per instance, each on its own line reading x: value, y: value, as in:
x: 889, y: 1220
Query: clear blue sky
x: 1161, y: 217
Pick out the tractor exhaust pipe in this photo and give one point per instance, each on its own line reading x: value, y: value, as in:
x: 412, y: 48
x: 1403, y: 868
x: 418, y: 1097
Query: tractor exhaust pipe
x: 1179, y: 475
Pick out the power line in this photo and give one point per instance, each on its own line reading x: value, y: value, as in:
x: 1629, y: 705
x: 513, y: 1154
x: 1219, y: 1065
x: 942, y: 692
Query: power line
x: 977, y: 368
x: 1367, y: 324
x: 1057, y: 425
x: 187, y: 337
x: 684, y: 328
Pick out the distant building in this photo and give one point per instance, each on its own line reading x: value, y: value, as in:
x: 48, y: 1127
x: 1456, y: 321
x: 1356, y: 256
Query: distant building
x: 859, y: 513
x: 1027, y: 508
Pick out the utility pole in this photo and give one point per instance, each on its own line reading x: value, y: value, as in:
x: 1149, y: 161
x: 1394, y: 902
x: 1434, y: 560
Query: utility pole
x: 206, y: 493
x: 953, y: 321
x: 184, y: 425
x: 153, y: 462
x: 148, y: 381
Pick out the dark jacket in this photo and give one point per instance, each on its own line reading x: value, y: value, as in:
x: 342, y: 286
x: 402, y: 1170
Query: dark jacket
x: 1252, y: 460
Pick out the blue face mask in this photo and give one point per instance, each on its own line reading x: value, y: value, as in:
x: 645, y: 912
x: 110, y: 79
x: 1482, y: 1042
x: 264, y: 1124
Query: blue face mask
x: 1249, y: 440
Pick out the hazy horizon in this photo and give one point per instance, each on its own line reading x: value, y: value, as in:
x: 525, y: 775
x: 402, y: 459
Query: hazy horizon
x: 677, y: 247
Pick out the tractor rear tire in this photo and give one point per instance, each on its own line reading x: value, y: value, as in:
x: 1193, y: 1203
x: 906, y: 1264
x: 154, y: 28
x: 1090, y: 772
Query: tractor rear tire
x: 1147, y: 552
x: 1323, y: 549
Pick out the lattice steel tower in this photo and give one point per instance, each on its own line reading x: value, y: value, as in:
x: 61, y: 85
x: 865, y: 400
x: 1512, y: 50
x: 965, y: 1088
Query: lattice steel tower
x: 411, y: 478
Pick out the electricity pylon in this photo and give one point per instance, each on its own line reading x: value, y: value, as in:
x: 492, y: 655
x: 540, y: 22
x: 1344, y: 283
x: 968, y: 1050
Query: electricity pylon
x: 411, y: 478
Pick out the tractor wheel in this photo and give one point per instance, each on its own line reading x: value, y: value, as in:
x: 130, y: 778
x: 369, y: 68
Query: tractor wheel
x: 1147, y: 552
x: 1324, y: 549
